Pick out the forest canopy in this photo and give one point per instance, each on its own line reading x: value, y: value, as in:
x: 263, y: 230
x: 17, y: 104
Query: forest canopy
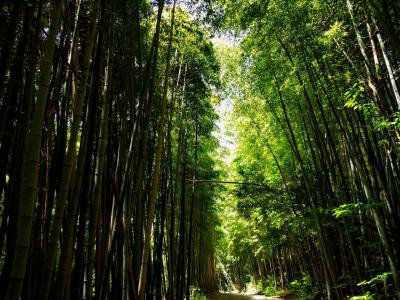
x: 173, y: 149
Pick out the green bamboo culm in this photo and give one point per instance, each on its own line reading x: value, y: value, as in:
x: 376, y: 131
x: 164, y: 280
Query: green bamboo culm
x: 28, y: 190
x: 70, y: 161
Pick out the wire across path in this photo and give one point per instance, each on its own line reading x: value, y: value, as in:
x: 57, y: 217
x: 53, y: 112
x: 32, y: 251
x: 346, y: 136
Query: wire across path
x: 235, y: 296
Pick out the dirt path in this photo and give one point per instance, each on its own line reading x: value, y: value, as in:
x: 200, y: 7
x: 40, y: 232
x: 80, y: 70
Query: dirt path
x: 231, y: 296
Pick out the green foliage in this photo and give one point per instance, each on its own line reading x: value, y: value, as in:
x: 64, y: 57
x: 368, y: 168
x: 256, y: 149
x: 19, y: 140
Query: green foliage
x: 367, y: 296
x: 253, y: 287
x: 307, y: 123
x: 352, y: 209
x: 380, y: 278
x: 270, y: 288
x: 356, y: 99
x: 197, y: 293
x: 303, y: 288
x: 336, y: 33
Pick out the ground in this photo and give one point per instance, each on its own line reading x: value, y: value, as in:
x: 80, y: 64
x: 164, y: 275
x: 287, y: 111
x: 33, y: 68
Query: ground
x: 232, y: 296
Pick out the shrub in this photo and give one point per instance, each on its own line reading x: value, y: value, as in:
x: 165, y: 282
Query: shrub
x: 303, y: 288
x: 197, y: 294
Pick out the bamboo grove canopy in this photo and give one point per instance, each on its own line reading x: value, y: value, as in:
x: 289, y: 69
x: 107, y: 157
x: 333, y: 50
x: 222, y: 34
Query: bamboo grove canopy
x: 168, y: 149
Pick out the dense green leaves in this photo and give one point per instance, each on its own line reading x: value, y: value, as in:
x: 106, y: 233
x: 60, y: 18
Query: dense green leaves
x: 148, y: 148
x: 116, y: 99
x: 315, y: 116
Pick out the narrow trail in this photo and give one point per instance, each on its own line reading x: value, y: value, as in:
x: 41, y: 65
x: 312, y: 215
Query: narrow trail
x: 235, y: 296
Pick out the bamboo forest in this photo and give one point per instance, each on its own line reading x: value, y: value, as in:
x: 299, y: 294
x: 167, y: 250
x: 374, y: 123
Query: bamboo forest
x: 199, y: 149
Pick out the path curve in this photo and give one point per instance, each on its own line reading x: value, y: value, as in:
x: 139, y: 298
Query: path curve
x: 234, y: 296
